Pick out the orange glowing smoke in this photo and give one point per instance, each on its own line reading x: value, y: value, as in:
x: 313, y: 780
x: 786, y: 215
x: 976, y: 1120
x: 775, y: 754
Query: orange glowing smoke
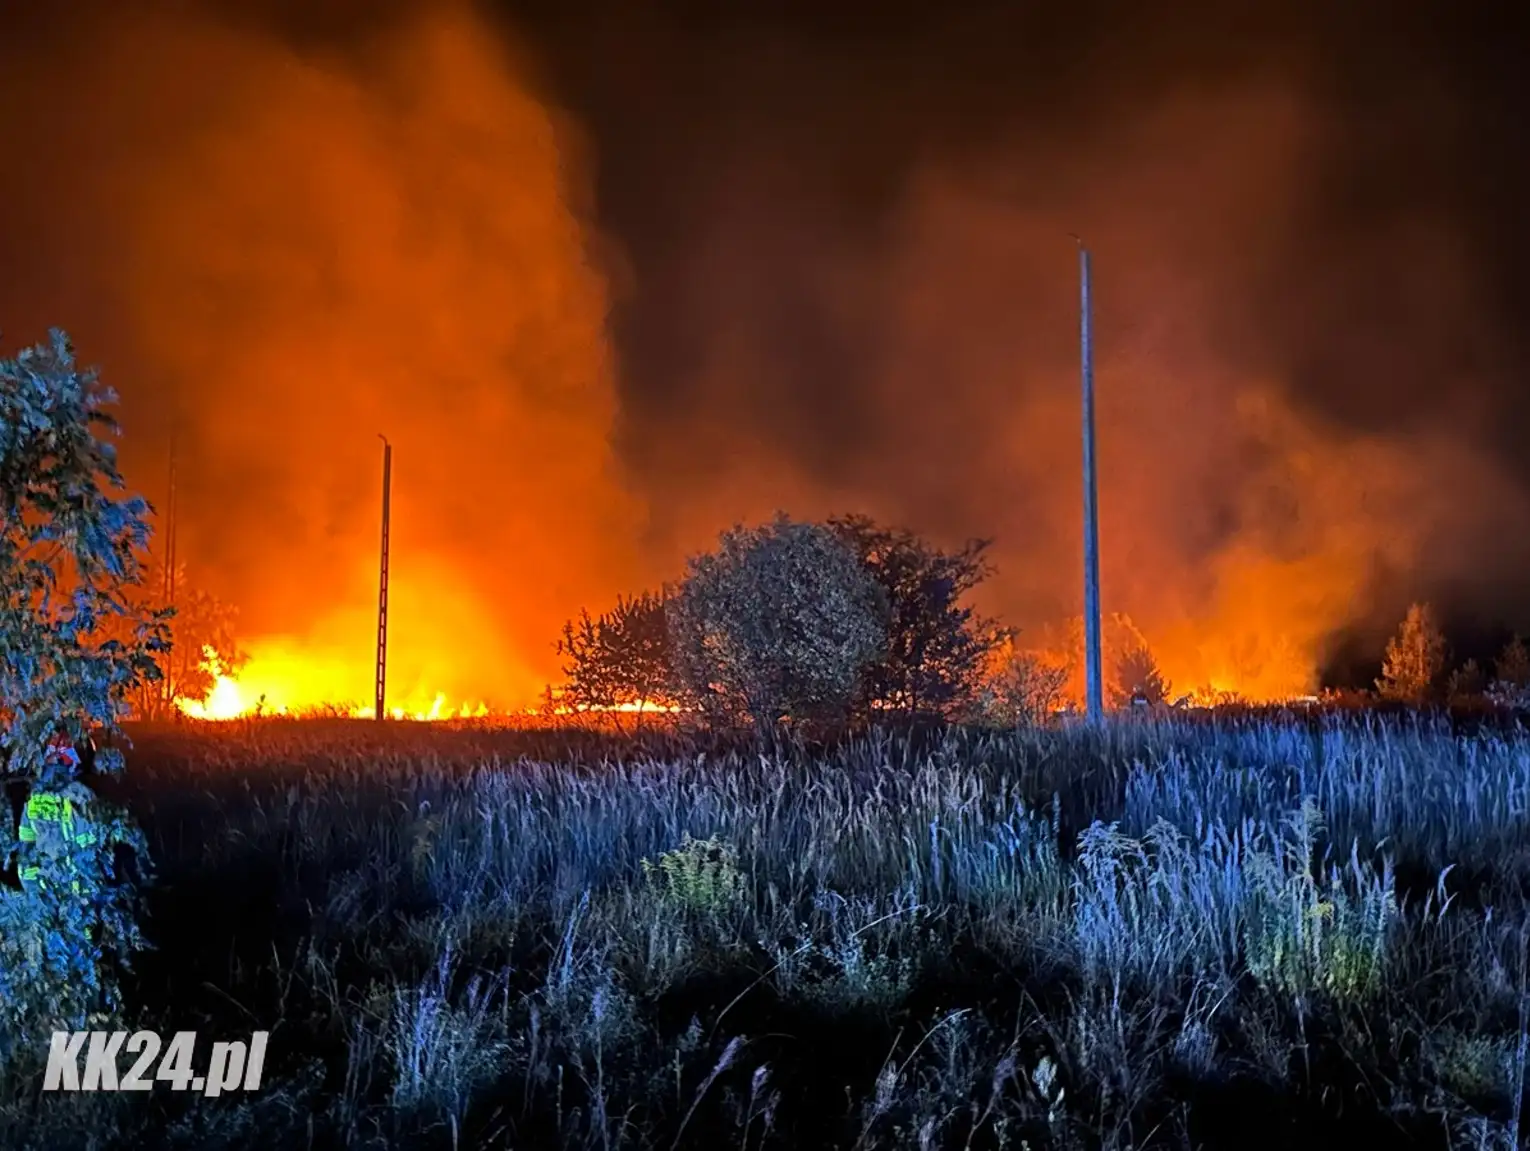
x: 306, y: 249
x: 1318, y: 514
x: 1240, y: 528
x: 296, y: 250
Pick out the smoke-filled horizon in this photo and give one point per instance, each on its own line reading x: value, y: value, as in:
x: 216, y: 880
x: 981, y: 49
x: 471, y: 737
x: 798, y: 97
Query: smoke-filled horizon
x: 612, y: 282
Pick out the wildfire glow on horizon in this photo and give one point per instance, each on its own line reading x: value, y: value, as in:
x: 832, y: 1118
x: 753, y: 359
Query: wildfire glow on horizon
x: 285, y: 687
x: 267, y: 692
x: 295, y: 249
x: 284, y: 680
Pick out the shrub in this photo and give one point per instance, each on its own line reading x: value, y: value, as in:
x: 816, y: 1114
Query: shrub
x: 936, y: 645
x: 1024, y: 691
x: 1306, y: 931
x: 1138, y: 677
x: 699, y: 875
x: 781, y: 620
x: 619, y: 658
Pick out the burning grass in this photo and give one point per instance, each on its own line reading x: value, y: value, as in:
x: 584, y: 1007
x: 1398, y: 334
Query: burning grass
x: 1175, y: 933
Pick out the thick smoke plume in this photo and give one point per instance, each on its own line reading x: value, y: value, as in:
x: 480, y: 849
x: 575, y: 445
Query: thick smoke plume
x: 846, y: 297
x: 1244, y: 527
x: 290, y: 255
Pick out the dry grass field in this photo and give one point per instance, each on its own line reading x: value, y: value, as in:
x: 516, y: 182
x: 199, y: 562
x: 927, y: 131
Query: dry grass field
x: 1217, y: 933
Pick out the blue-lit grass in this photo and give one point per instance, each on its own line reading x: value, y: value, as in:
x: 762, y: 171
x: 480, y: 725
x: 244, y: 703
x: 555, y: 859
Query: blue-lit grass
x: 1042, y: 938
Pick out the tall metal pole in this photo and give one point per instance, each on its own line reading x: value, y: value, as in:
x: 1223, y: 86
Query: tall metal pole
x: 1093, y: 686
x: 168, y: 685
x: 382, y: 587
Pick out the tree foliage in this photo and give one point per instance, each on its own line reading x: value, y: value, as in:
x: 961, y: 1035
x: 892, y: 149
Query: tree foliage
x: 1137, y: 676
x: 619, y: 658
x: 200, y: 624
x: 1124, y: 655
x: 936, y: 647
x: 1025, y: 689
x: 780, y: 620
x: 1466, y: 683
x: 66, y: 935
x: 1512, y: 667
x: 1415, y: 659
x: 73, y: 646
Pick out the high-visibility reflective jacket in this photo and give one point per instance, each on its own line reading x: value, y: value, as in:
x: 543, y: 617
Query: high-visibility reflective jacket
x: 56, y: 830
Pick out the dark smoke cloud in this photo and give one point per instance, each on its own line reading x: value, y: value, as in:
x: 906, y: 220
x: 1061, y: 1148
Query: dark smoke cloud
x: 845, y: 282
x: 1307, y: 291
x: 1242, y: 524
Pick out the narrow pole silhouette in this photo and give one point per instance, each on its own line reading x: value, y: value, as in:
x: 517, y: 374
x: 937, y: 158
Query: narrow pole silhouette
x: 1093, y: 685
x: 169, y: 686
x: 380, y: 712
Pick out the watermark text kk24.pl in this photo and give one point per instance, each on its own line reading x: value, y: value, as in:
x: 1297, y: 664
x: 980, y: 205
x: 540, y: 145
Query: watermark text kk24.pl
x: 231, y: 1066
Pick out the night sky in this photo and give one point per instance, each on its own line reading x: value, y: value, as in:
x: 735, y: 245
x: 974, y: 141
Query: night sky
x: 833, y: 240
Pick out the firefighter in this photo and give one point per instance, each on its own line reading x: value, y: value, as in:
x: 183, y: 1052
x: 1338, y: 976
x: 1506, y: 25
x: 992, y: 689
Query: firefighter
x: 57, y: 835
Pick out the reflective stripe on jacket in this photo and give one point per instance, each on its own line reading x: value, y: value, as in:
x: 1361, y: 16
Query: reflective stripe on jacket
x: 48, y: 824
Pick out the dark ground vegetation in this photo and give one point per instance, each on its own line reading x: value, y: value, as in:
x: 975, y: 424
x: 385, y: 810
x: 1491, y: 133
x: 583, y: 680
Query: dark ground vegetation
x: 1243, y: 930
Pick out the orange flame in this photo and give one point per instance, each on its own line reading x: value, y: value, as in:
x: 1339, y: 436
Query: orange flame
x: 282, y: 687
x: 287, y: 686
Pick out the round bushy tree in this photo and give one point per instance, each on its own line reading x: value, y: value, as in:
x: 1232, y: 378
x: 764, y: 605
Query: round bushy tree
x: 780, y: 620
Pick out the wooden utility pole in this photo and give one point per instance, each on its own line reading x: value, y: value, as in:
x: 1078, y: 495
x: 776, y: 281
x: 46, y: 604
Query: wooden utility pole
x: 1093, y: 685
x: 382, y: 587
